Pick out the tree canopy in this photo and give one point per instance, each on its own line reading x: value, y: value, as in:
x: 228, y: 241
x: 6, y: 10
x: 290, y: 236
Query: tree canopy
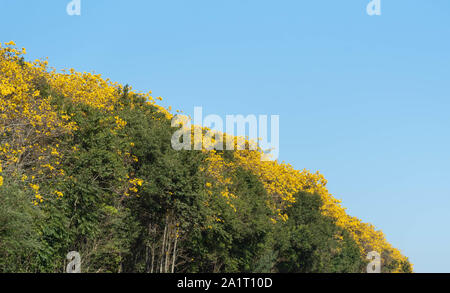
x: 87, y: 165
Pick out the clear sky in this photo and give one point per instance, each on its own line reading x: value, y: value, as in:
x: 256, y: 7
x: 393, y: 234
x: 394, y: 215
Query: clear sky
x: 363, y: 99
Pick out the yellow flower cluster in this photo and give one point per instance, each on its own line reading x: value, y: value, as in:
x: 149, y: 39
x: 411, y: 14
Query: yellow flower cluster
x: 282, y: 181
x: 38, y: 197
x: 59, y: 193
x: 28, y: 120
x: 218, y: 171
x: 135, y: 183
x: 31, y: 127
x: 120, y: 124
x: 1, y: 178
x: 87, y: 88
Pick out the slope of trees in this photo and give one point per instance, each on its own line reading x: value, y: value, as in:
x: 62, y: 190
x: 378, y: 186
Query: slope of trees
x: 87, y: 165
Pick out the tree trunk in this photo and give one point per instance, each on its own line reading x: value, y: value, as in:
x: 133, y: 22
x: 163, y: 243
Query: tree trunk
x: 174, y: 252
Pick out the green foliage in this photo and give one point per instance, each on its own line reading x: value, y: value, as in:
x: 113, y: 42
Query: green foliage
x: 19, y: 238
x: 172, y: 224
x: 239, y: 240
x: 311, y: 242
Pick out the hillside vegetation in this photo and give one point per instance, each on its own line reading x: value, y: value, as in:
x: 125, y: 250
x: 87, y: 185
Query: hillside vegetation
x: 87, y: 165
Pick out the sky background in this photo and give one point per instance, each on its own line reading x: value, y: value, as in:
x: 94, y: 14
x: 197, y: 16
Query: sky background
x: 363, y: 99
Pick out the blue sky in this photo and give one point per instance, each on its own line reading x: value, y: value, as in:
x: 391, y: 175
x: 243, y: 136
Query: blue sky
x: 363, y: 99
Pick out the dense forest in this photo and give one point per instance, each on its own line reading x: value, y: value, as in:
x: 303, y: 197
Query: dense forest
x: 86, y: 165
